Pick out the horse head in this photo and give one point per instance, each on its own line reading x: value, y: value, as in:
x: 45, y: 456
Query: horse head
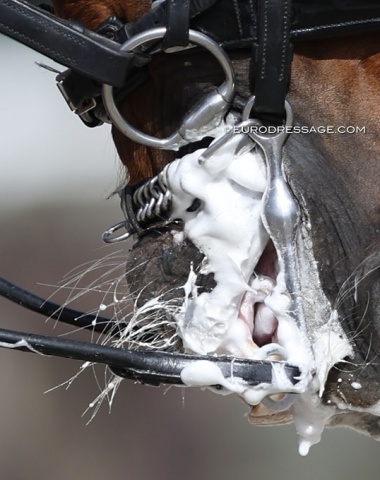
x: 331, y: 163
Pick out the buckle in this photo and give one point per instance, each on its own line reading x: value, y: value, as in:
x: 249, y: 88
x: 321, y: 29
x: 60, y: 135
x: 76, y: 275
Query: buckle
x: 82, y: 95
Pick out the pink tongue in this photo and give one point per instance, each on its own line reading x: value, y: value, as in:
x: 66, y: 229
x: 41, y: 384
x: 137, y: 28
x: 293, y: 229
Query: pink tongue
x: 265, y: 325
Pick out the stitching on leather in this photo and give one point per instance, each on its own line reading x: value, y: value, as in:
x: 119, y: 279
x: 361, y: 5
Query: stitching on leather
x: 285, y: 37
x: 237, y: 14
x: 265, y: 41
x: 332, y: 25
x: 43, y: 23
x: 57, y: 54
x: 252, y: 14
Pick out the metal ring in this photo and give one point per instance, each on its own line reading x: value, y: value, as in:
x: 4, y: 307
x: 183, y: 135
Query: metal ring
x: 213, y: 106
x: 106, y: 237
x: 251, y: 101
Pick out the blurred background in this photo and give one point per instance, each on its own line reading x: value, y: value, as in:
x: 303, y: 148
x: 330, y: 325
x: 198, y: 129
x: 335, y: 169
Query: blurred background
x: 55, y: 179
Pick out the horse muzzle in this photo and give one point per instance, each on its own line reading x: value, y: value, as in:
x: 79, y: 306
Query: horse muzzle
x: 225, y: 264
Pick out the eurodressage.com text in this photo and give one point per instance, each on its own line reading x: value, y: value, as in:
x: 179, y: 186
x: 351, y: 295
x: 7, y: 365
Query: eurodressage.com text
x: 272, y: 130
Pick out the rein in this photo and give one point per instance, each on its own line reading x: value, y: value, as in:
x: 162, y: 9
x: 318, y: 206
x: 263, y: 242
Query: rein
x: 109, y: 64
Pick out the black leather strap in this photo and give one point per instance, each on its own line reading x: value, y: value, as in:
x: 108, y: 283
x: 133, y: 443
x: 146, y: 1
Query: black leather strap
x: 157, y: 17
x: 326, y: 18
x: 67, y: 43
x: 128, y: 207
x: 49, y: 309
x: 232, y: 23
x: 146, y: 366
x: 177, y: 23
x: 273, y: 59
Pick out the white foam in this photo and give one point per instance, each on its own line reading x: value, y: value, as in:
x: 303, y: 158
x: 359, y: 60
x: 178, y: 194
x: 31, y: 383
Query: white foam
x: 310, y: 418
x: 228, y: 229
x: 205, y: 373
x: 330, y: 347
x: 356, y: 385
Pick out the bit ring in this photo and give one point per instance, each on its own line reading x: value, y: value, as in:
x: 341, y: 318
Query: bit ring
x: 107, y: 235
x: 208, y: 112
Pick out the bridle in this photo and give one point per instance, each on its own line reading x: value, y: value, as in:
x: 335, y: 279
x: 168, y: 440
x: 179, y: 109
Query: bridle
x: 107, y: 65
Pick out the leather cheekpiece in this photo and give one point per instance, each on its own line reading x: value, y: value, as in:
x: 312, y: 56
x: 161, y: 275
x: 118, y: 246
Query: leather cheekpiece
x: 177, y: 23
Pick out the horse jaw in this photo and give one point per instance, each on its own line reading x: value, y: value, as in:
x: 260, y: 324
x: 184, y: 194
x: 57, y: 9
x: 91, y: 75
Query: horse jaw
x: 336, y: 83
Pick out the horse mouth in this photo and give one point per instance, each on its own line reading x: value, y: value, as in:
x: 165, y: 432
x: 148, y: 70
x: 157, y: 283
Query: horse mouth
x: 215, y: 284
x: 258, y: 328
x: 251, y: 327
x: 254, y: 311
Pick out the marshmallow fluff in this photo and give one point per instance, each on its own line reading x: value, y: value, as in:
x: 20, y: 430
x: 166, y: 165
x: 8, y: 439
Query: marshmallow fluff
x: 225, y: 192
